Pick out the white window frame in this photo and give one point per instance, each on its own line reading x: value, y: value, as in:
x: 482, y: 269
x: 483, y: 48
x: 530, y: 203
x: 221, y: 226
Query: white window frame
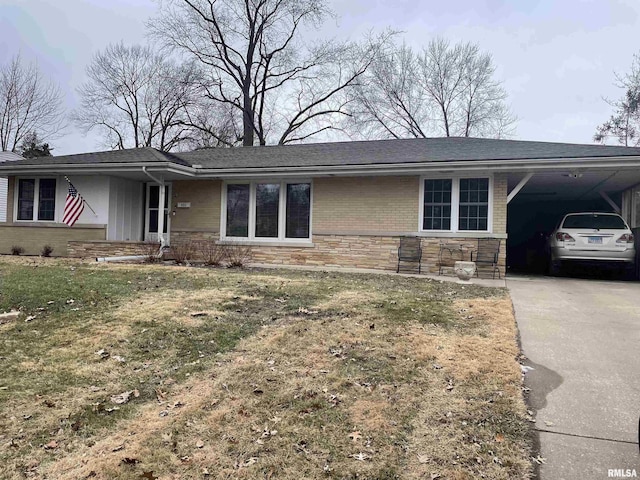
x: 36, y: 199
x: 455, y: 203
x: 282, y: 211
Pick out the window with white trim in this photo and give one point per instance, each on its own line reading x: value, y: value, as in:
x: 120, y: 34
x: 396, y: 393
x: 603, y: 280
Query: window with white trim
x: 36, y: 199
x: 456, y: 204
x: 267, y: 211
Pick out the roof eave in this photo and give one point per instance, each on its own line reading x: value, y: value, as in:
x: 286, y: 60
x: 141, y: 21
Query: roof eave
x: 105, y: 168
x: 497, y: 165
x: 425, y: 167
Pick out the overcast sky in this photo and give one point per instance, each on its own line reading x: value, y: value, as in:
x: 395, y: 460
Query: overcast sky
x: 556, y: 58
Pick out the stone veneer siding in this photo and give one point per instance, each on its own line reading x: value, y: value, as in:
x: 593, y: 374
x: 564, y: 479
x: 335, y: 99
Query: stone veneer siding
x: 363, y: 251
x: 96, y: 249
x: 377, y: 252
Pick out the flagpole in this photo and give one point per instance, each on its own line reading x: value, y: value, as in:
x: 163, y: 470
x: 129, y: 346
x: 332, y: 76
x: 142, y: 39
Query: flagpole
x: 83, y: 199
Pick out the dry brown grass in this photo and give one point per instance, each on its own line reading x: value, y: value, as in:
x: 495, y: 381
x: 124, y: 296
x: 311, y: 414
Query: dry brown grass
x: 300, y: 400
x: 357, y: 383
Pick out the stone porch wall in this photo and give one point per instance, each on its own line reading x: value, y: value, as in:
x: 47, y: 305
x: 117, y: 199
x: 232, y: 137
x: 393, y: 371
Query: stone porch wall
x: 95, y: 249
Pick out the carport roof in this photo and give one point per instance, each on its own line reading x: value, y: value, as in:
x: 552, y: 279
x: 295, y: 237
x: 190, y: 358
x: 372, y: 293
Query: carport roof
x: 360, y: 153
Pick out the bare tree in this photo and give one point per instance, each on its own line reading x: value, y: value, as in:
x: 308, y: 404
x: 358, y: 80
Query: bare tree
x: 443, y: 91
x: 624, y: 124
x: 138, y: 98
x: 256, y: 62
x: 28, y: 103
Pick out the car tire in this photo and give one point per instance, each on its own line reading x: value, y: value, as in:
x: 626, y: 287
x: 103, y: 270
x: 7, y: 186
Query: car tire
x: 629, y: 272
x: 553, y: 269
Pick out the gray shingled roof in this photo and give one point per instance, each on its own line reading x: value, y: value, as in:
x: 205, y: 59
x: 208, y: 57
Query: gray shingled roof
x: 395, y: 151
x: 347, y: 153
x: 130, y: 155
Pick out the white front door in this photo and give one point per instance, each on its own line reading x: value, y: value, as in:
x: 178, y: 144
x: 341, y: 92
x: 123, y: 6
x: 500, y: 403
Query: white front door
x: 153, y: 211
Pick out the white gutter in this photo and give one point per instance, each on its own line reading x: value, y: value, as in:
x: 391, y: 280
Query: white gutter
x: 503, y: 165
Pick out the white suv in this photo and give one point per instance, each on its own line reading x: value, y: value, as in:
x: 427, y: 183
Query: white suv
x: 591, y: 237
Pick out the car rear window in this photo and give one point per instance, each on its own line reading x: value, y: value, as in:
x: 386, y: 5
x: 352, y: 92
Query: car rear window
x: 604, y: 222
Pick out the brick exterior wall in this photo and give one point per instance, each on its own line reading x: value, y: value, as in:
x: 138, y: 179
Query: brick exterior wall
x: 356, y: 223
x: 204, y: 212
x: 500, y: 203
x: 95, y: 249
x: 365, y: 204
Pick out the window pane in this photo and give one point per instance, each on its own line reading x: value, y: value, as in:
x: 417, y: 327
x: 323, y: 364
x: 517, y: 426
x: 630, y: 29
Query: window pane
x: 237, y: 210
x: 437, y: 205
x: 47, y: 201
x: 153, y: 221
x: 267, y: 203
x: 26, y: 190
x: 474, y: 204
x: 154, y: 196
x: 298, y: 210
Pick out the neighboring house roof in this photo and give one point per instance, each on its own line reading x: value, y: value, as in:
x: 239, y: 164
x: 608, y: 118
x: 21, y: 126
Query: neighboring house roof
x: 5, y: 157
x: 9, y: 157
x: 341, y: 158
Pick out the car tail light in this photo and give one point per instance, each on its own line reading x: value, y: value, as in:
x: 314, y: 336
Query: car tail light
x: 564, y: 237
x: 626, y: 238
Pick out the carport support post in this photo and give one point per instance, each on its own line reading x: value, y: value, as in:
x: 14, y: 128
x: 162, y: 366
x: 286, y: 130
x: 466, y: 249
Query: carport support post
x: 519, y: 187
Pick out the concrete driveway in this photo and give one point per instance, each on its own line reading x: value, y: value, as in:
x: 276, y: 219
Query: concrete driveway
x: 582, y: 337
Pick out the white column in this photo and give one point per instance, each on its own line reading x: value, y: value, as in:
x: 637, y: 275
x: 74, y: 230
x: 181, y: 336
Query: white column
x: 161, y: 201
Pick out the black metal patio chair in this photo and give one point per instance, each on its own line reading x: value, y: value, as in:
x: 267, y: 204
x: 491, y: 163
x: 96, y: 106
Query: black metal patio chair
x: 410, y: 254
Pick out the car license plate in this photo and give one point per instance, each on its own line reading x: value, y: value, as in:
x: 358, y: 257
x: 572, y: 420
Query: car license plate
x: 595, y: 240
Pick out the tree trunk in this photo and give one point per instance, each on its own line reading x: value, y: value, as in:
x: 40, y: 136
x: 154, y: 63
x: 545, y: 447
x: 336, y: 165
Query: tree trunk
x: 247, y: 119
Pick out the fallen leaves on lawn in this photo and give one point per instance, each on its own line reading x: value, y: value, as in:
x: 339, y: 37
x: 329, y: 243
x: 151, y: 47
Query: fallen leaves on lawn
x: 124, y: 397
x: 360, y: 456
x: 52, y: 445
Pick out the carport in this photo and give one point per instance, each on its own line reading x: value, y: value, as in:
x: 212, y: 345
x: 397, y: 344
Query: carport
x: 541, y: 195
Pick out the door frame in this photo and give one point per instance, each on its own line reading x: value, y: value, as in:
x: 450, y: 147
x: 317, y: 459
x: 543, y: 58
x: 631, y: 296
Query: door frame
x: 147, y: 234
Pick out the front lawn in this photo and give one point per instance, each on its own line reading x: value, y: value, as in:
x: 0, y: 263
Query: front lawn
x: 115, y: 371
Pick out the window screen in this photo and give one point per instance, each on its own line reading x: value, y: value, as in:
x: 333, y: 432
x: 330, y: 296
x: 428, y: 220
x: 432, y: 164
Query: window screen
x: 437, y: 205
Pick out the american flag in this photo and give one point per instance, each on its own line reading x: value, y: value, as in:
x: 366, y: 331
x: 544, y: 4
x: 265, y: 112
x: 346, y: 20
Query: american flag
x: 73, y: 207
